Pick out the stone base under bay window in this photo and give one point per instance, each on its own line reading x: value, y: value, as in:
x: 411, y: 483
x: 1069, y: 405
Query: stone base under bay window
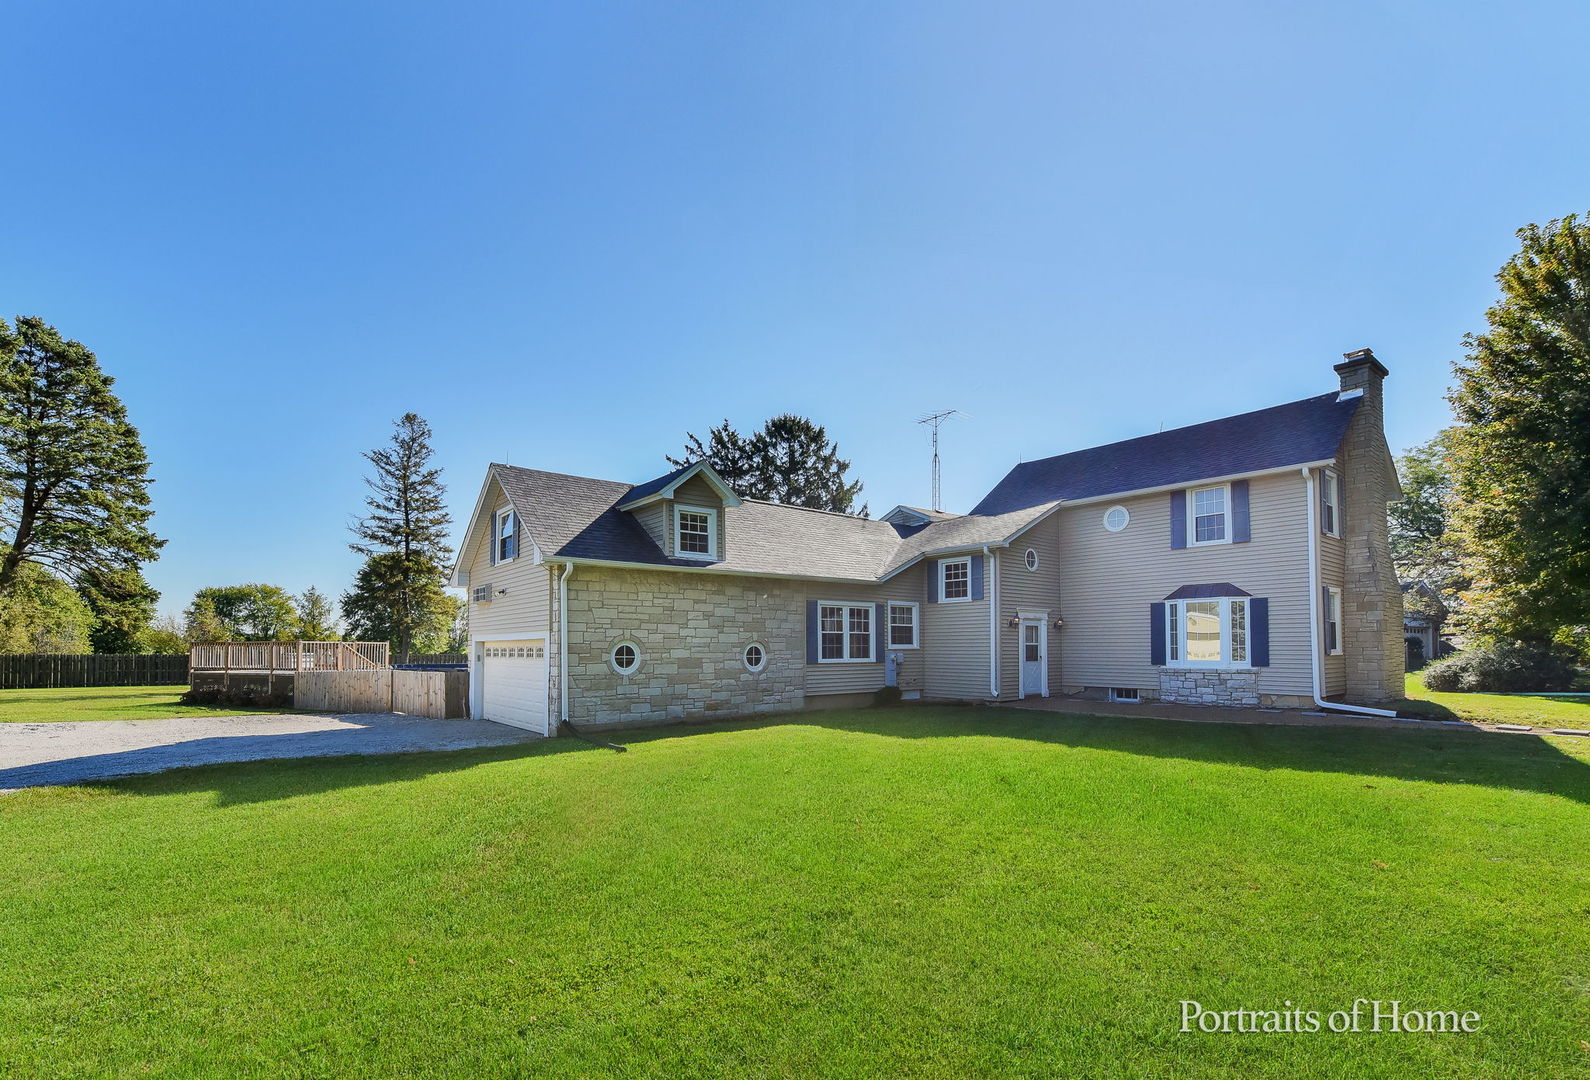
x: 1194, y: 686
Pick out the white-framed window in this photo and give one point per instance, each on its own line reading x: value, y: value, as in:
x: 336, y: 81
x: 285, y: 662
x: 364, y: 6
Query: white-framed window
x: 754, y: 657
x: 695, y: 532
x: 1330, y: 504
x: 902, y: 625
x: 1124, y: 693
x: 1116, y: 518
x: 1333, y: 621
x: 1207, y: 633
x: 844, y: 633
x: 625, y: 657
x: 1208, y: 515
x: 505, y: 541
x: 955, y: 580
x: 1031, y: 558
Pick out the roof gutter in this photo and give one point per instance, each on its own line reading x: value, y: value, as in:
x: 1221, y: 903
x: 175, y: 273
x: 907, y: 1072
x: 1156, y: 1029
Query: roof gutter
x: 1313, y: 610
x: 624, y: 565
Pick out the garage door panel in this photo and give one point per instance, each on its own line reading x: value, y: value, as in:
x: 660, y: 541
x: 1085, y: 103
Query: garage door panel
x: 514, y: 682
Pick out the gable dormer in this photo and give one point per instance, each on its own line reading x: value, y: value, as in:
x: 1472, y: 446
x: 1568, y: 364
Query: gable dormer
x: 684, y: 512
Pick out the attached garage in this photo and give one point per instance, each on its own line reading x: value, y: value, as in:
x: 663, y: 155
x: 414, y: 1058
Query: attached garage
x: 513, y: 683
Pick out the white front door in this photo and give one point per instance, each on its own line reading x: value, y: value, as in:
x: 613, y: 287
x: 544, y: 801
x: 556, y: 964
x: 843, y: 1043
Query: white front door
x: 514, y: 683
x: 1034, y: 656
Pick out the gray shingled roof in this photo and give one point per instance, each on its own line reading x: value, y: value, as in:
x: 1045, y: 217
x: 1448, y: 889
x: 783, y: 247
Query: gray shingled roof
x: 575, y: 517
x: 1290, y: 434
x: 652, y: 487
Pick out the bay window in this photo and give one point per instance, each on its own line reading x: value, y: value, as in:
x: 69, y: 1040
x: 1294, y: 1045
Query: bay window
x: 1207, y: 633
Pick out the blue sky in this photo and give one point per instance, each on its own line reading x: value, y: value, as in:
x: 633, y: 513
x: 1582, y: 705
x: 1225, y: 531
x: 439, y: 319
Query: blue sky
x: 567, y: 233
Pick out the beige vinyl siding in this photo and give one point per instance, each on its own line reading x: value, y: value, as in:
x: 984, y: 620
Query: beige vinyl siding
x: 523, y: 611
x: 1332, y: 572
x: 654, y: 519
x: 1112, y: 579
x: 1028, y: 590
x: 956, y: 638
x: 697, y: 492
x: 867, y: 677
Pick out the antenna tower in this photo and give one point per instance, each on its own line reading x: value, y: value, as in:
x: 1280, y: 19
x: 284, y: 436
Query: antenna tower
x: 934, y: 420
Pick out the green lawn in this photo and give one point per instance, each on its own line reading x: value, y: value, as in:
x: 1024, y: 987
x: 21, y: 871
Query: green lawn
x: 933, y: 892
x: 1536, y: 710
x: 105, y: 703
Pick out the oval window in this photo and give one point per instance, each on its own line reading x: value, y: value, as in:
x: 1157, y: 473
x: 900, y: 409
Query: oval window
x: 1031, y: 558
x: 755, y: 657
x: 1116, y: 518
x: 625, y: 658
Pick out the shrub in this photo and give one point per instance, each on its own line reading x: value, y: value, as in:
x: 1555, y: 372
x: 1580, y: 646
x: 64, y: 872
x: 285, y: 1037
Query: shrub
x: 1504, y: 666
x: 244, y: 696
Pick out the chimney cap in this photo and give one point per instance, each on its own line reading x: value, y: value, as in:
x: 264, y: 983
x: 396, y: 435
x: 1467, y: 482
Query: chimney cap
x: 1361, y: 358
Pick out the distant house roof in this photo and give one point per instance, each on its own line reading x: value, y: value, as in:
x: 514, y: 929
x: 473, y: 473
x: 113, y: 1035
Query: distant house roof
x: 1291, y: 434
x: 577, y: 517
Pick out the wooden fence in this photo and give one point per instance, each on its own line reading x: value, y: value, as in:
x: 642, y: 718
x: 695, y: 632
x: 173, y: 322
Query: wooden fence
x: 437, y: 694
x: 290, y: 656
x: 39, y: 671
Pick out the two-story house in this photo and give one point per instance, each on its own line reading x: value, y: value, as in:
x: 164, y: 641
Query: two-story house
x: 1243, y: 561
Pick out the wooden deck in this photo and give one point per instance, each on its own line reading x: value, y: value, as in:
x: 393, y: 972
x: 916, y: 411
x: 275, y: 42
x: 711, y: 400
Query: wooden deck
x: 289, y: 657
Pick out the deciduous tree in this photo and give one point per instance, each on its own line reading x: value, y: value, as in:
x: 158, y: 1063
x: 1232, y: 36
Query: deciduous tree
x: 254, y: 612
x: 1522, y: 455
x: 317, y: 619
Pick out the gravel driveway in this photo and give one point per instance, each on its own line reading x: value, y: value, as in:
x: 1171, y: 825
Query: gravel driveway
x: 77, y: 751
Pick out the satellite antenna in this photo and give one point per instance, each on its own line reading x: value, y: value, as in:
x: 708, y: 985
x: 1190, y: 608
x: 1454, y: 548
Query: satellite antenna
x: 935, y: 420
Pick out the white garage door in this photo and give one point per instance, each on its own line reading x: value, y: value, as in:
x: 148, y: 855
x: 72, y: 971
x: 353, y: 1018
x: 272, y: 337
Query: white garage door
x: 514, y: 683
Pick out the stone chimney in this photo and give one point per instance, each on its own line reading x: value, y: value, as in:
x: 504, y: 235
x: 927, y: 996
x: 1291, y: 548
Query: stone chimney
x: 1372, y: 630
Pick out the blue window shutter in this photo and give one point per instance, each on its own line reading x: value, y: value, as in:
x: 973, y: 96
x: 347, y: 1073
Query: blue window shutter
x: 813, y: 642
x: 1178, y: 519
x: 1259, y: 631
x: 1156, y: 634
x: 977, y: 577
x: 1241, y: 530
x: 931, y: 579
x: 880, y: 626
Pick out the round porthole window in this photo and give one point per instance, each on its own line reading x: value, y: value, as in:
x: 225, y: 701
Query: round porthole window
x: 755, y: 657
x: 625, y: 657
x: 1031, y: 558
x: 1116, y: 518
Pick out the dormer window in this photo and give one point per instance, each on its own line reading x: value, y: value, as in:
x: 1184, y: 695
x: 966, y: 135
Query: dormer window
x: 695, y: 532
x: 505, y: 545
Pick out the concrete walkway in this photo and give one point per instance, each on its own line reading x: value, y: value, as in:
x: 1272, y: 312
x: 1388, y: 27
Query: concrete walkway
x: 76, y: 752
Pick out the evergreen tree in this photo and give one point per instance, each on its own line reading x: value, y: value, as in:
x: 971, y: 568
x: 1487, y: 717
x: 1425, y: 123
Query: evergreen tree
x: 1523, y: 453
x: 123, y: 604
x: 403, y: 538
x: 74, y: 478
x: 732, y: 455
x: 316, y: 619
x: 791, y: 460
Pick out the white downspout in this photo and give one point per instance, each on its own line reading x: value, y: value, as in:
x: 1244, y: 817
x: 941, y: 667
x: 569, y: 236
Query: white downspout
x: 563, y: 641
x: 991, y: 589
x: 1313, y: 612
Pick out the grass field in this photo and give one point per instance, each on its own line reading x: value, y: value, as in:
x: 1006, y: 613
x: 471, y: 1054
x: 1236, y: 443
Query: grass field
x: 1536, y: 710
x: 105, y: 703
x: 930, y: 892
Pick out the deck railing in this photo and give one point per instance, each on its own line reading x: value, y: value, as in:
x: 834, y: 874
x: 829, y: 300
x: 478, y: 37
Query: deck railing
x: 286, y: 656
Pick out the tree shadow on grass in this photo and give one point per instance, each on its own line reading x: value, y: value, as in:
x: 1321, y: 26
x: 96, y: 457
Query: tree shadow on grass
x: 269, y: 778
x: 1448, y: 755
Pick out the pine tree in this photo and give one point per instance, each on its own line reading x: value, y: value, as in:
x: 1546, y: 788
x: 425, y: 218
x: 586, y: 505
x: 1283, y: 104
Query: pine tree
x: 123, y: 604
x: 1523, y: 453
x: 791, y: 460
x: 74, y: 477
x: 403, y: 539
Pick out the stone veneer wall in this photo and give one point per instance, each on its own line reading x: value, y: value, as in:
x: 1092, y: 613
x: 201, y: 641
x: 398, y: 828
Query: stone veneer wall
x: 1372, y: 634
x: 691, y: 631
x: 1191, y: 686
